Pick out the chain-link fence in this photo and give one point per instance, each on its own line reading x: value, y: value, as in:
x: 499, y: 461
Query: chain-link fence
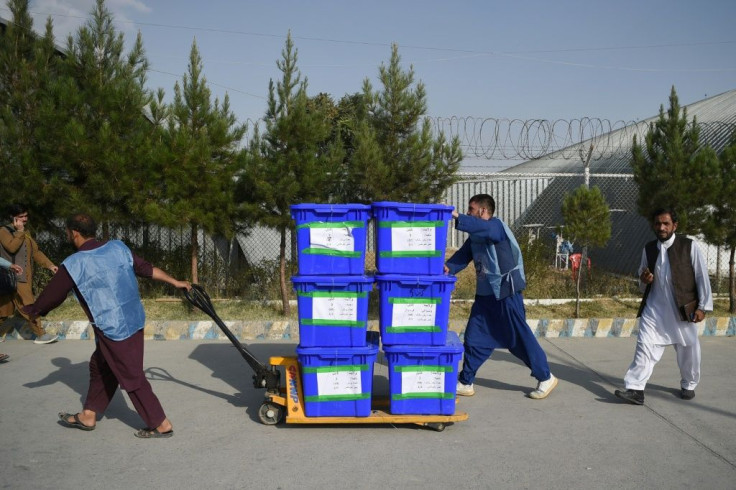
x: 531, y: 204
x: 247, y: 265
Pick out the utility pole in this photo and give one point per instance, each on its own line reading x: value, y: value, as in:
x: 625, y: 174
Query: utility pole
x: 584, y: 252
x: 586, y: 164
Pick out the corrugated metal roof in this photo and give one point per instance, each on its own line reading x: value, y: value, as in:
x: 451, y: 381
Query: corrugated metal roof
x: 717, y: 118
x: 715, y: 115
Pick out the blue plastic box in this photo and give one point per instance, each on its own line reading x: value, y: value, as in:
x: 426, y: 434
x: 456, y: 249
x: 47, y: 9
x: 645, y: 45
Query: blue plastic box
x: 331, y: 237
x: 414, y: 310
x: 411, y: 238
x: 333, y: 310
x: 423, y: 379
x: 338, y: 381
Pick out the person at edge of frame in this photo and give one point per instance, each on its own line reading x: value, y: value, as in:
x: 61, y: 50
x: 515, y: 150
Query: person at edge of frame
x: 17, y: 246
x: 17, y: 270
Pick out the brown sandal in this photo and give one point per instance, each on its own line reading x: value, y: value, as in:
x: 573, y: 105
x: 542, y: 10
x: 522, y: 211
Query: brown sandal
x: 76, y: 424
x: 153, y: 434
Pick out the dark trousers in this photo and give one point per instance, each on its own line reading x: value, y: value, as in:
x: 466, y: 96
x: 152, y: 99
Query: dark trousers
x: 15, y: 302
x: 501, y: 324
x: 120, y: 363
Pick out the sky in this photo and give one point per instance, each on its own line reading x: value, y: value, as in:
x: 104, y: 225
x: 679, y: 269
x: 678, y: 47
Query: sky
x: 483, y: 59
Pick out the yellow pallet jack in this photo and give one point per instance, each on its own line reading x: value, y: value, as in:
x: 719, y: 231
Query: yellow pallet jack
x: 287, y: 403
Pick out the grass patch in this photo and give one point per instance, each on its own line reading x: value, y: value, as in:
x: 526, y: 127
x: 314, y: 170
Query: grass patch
x: 175, y: 309
x: 181, y: 309
x: 261, y: 302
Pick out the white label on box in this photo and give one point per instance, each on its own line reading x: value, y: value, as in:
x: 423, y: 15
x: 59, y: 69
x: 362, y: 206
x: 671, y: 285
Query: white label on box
x: 334, y: 308
x: 339, y: 383
x: 412, y: 238
x: 332, y: 238
x: 422, y: 382
x: 413, y: 314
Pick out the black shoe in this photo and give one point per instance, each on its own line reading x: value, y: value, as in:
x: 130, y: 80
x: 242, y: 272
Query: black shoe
x: 635, y: 397
x: 687, y: 394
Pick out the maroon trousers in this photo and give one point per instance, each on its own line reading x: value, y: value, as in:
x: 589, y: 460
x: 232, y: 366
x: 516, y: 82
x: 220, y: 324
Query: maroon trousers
x: 120, y: 363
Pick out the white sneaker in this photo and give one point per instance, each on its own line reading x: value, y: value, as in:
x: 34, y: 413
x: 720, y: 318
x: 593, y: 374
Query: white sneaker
x: 46, y: 338
x: 544, y: 388
x: 465, y: 390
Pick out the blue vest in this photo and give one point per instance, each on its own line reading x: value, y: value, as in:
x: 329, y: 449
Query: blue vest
x: 107, y: 282
x: 499, y: 266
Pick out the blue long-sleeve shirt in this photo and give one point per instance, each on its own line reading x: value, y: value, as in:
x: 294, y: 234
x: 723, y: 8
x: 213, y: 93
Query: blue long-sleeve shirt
x: 499, y: 268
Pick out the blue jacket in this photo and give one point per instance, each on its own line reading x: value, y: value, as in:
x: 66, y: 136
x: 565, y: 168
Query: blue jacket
x: 499, y: 267
x: 107, y: 282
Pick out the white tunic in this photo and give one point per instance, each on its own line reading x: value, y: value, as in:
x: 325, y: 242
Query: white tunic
x: 660, y: 321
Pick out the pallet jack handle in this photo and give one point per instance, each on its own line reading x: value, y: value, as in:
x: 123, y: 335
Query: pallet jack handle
x: 265, y: 376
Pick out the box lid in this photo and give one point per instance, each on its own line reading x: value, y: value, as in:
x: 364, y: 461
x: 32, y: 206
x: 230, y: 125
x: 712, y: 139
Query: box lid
x: 330, y: 280
x: 453, y: 345
x: 410, y: 207
x: 371, y: 348
x: 337, y: 208
x: 410, y: 279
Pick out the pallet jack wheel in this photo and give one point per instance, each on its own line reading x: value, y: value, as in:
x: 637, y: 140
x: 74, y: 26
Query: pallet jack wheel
x: 271, y: 413
x: 436, y: 426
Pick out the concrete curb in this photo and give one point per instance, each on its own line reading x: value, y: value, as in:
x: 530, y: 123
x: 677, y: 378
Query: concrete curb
x: 289, y: 330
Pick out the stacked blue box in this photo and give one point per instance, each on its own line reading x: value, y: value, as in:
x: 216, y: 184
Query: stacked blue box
x: 338, y: 381
x: 331, y: 238
x: 332, y: 292
x: 411, y: 238
x: 333, y: 310
x: 423, y: 379
x: 414, y: 300
x: 414, y: 310
x: 336, y: 353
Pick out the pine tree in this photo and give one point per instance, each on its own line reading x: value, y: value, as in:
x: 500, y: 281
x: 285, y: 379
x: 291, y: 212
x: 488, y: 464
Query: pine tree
x: 103, y: 148
x: 27, y: 63
x: 194, y: 173
x: 673, y: 168
x: 293, y: 160
x: 346, y: 118
x: 720, y: 225
x: 588, y: 223
x: 396, y: 156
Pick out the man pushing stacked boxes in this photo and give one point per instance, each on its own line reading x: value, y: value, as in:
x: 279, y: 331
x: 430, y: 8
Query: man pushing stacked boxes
x: 497, y: 318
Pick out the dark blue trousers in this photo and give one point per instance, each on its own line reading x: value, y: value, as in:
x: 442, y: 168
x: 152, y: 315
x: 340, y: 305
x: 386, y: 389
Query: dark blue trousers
x: 501, y: 324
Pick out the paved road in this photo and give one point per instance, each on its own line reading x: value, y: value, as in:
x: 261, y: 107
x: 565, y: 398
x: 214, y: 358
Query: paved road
x: 581, y: 437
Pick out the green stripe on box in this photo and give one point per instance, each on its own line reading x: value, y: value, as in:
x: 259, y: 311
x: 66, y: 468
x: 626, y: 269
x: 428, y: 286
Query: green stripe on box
x: 332, y: 224
x: 413, y: 396
x: 331, y: 294
x: 336, y: 398
x: 411, y: 224
x: 417, y: 301
x: 333, y: 253
x: 411, y: 329
x: 425, y: 367
x: 335, y: 369
x: 387, y: 254
x: 332, y: 323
